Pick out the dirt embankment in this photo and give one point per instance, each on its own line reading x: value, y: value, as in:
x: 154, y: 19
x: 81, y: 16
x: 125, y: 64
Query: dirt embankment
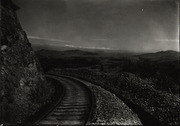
x: 108, y: 109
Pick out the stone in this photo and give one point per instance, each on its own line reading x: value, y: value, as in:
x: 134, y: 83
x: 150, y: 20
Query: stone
x: 3, y: 47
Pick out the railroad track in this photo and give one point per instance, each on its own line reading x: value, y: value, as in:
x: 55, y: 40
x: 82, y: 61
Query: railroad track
x: 74, y: 107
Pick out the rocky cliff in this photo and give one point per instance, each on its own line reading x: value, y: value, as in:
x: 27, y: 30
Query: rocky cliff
x: 23, y: 88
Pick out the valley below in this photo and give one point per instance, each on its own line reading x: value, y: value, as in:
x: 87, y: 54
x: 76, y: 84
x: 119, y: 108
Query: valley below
x: 147, y: 83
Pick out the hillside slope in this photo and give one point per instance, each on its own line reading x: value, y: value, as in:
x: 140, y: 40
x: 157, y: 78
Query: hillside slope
x: 23, y: 88
x: 161, y: 56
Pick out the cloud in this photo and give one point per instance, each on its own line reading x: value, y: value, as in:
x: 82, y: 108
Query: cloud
x: 63, y: 41
x: 99, y: 39
x: 47, y: 39
x: 167, y: 40
x: 84, y: 47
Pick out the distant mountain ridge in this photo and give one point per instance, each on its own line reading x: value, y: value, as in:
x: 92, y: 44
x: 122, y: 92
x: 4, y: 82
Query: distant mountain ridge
x: 168, y: 55
x: 161, y: 56
x: 66, y: 53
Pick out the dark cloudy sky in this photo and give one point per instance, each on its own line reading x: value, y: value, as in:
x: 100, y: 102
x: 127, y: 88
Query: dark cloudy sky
x: 137, y: 25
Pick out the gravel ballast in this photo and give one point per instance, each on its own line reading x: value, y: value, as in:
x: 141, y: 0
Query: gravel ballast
x: 109, y: 109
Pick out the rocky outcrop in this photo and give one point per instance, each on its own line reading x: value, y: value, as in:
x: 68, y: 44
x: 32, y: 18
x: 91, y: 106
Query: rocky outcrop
x: 23, y: 88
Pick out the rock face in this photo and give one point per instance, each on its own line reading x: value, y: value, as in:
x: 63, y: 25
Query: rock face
x: 23, y: 88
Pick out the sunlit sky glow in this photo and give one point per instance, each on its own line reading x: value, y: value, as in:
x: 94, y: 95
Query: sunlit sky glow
x: 136, y: 25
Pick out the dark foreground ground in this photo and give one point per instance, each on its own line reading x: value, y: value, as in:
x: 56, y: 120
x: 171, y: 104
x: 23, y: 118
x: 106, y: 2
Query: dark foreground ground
x: 147, y: 83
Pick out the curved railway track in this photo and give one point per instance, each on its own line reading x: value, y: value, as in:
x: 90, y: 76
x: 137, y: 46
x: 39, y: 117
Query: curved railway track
x: 73, y: 108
